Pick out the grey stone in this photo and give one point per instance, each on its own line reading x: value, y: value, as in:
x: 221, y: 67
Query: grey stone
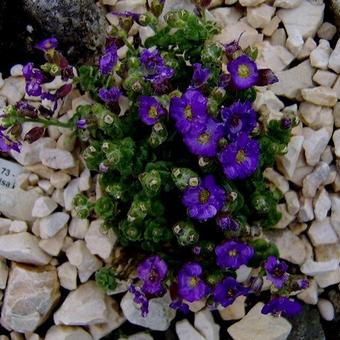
x: 80, y: 26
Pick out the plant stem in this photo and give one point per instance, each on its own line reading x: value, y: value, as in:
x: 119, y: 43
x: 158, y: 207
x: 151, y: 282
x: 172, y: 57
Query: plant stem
x: 45, y: 122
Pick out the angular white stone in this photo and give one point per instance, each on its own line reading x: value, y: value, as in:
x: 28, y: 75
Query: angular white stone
x: 67, y: 333
x: 295, y: 43
x: 13, y: 89
x: 140, y: 336
x: 326, y: 309
x: 52, y: 224
x: 290, y: 247
x: 326, y: 31
x: 185, y: 331
x: 43, y: 207
x: 287, y: 3
x: 3, y: 274
x: 314, y: 180
x: 258, y: 326
x: 80, y: 256
x: 70, y: 192
x: 259, y: 17
x: 306, y: 212
x: 328, y: 279
x: 67, y: 274
x: 59, y: 179
x: 310, y: 295
x: 56, y: 158
x: 314, y: 144
x: 292, y: 202
x: 320, y: 56
x: 226, y: 15
x: 53, y: 245
x: 309, y: 18
x: 322, y: 232
x: 307, y: 48
x: 334, y: 60
x: 29, y: 153
x: 205, y: 324
x: 85, y: 180
x: 17, y: 204
x: 322, y: 204
x: 18, y: 227
x: 98, y: 241
x: 113, y: 321
x: 23, y: 247
x: 248, y: 3
x: 324, y: 78
x: 293, y: 80
x: 320, y: 95
x: 158, y: 318
x: 287, y: 163
x: 279, y: 181
x: 82, y: 307
x: 336, y: 141
x: 46, y: 186
x: 78, y: 227
x: 235, y: 311
x: 30, y: 296
x: 313, y: 268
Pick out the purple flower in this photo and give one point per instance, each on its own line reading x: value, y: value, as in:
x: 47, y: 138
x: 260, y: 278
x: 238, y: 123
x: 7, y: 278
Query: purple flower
x: 243, y: 71
x: 47, y: 44
x: 127, y: 14
x: 103, y: 168
x: 190, y: 285
x: 303, y: 283
x: 197, y: 250
x: 190, y: 111
x: 34, y: 78
x: 286, y: 123
x: 232, y: 254
x: 224, y: 80
x: 276, y: 271
x: 150, y: 110
x: 152, y: 272
x: 6, y: 143
x: 140, y: 299
x: 110, y: 95
x: 205, y: 200
x: 226, y: 292
x: 81, y: 124
x: 227, y: 223
x: 109, y: 60
x: 282, y: 306
x: 238, y: 118
x: 180, y: 305
x: 205, y: 143
x: 151, y: 59
x: 240, y: 158
x: 232, y: 47
x: 200, y: 75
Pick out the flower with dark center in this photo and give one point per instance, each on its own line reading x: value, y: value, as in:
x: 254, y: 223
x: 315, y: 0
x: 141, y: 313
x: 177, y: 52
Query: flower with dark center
x: 226, y: 292
x: 205, y: 200
x: 286, y: 123
x: 140, y: 299
x: 232, y: 47
x: 6, y: 142
x: 224, y: 80
x: 243, y: 71
x: 303, y: 283
x: 241, y: 158
x: 266, y: 77
x: 47, y: 44
x: 205, y: 143
x: 109, y: 60
x: 200, y: 75
x: 150, y: 110
x: 152, y: 272
x: 276, y: 271
x: 226, y: 222
x: 190, y: 285
x: 282, y: 306
x: 232, y: 254
x: 151, y: 59
x: 110, y: 95
x: 34, y: 78
x: 81, y: 124
x: 189, y: 111
x: 239, y: 117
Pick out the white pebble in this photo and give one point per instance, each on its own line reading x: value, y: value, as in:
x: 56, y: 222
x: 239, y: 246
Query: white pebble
x: 326, y: 309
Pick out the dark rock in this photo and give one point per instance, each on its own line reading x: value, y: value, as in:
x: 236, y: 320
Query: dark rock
x: 334, y: 297
x: 307, y: 325
x: 80, y: 26
x: 334, y: 11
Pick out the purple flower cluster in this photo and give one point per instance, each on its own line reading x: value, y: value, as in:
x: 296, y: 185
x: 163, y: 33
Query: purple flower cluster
x: 140, y: 299
x: 156, y: 71
x: 200, y: 75
x: 34, y: 79
x: 150, y: 110
x: 226, y: 292
x: 109, y: 60
x: 6, y: 142
x: 110, y: 95
x: 282, y: 306
x: 47, y: 44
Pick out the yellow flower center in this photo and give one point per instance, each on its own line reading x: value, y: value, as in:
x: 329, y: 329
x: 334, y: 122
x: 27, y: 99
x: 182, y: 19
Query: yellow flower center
x: 204, y: 196
x: 232, y: 252
x: 243, y: 71
x: 204, y: 138
x: 188, y: 112
x: 153, y: 112
x: 240, y: 156
x: 193, y: 282
x: 230, y: 292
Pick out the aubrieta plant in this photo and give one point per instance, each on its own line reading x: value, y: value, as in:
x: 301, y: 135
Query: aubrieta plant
x: 180, y: 153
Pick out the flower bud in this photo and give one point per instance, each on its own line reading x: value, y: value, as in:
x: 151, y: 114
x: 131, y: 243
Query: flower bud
x: 81, y: 206
x: 105, y: 207
x: 212, y: 54
x: 151, y: 182
x: 159, y: 135
x: 260, y: 203
x: 139, y: 210
x: 184, y: 177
